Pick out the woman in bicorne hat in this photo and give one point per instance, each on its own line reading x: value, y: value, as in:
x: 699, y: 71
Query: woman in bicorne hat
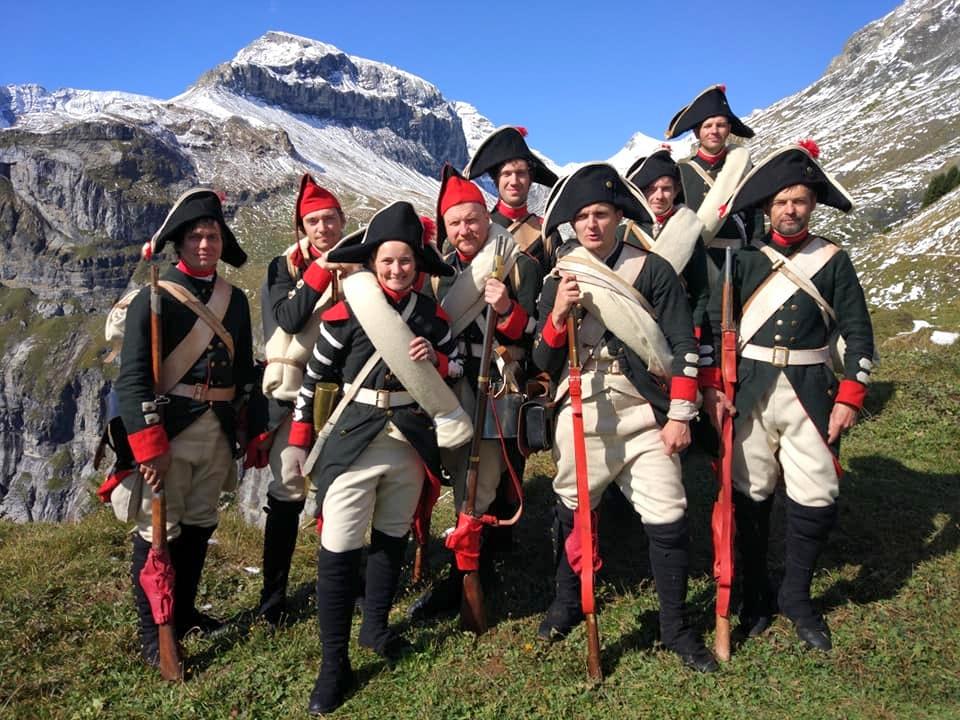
x: 383, y: 444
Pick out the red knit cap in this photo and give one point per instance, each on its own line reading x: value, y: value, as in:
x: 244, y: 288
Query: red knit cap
x: 313, y: 198
x: 456, y: 191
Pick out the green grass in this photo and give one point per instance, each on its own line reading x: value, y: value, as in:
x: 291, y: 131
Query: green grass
x: 889, y: 583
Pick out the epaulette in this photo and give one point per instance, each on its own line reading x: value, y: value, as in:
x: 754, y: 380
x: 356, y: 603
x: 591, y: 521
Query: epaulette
x: 337, y: 313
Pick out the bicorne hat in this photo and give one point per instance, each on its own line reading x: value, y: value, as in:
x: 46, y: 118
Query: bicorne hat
x: 648, y: 169
x: 795, y: 164
x: 502, y: 145
x: 196, y: 204
x: 396, y: 221
x: 710, y: 103
x: 593, y: 183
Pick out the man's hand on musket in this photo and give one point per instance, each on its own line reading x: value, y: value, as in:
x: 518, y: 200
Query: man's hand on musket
x: 716, y: 405
x: 675, y: 436
x: 842, y: 418
x: 568, y: 295
x: 154, y: 470
x: 421, y: 349
x: 496, y: 296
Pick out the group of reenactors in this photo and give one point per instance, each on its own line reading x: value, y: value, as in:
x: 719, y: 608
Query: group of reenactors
x: 374, y: 342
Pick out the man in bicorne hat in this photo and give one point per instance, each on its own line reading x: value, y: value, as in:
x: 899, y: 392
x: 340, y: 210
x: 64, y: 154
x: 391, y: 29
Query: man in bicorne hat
x: 186, y: 443
x: 298, y: 288
x: 390, y: 348
x: 506, y: 158
x: 467, y: 296
x: 794, y: 293
x: 710, y: 176
x: 639, y: 368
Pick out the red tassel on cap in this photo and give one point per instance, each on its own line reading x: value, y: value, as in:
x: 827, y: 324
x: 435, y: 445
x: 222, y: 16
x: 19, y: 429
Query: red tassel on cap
x: 810, y: 146
x: 429, y: 229
x: 522, y: 130
x: 146, y: 252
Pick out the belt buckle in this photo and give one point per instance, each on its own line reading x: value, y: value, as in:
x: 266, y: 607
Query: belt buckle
x: 781, y: 356
x: 200, y: 392
x: 383, y: 399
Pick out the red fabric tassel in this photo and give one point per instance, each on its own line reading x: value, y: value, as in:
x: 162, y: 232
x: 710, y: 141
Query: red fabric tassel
x: 429, y: 494
x: 522, y: 130
x: 573, y: 548
x: 157, y: 581
x: 465, y: 542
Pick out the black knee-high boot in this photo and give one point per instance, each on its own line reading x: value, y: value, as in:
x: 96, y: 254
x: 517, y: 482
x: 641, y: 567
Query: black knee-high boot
x: 669, y: 545
x: 753, y: 535
x: 807, y: 532
x: 279, y: 541
x: 384, y: 560
x: 147, y: 628
x: 338, y: 576
x: 566, y: 610
x: 188, y: 554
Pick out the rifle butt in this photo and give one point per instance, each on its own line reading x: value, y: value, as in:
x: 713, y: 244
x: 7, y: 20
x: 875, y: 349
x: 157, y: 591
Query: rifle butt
x: 721, y: 644
x: 594, y: 671
x: 472, y: 615
x: 171, y: 665
x: 419, y: 564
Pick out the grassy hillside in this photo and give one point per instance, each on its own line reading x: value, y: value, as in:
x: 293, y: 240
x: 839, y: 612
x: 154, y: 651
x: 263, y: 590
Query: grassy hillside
x: 889, y: 583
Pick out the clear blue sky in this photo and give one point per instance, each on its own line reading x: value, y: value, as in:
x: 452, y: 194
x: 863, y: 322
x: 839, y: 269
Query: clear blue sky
x: 582, y: 76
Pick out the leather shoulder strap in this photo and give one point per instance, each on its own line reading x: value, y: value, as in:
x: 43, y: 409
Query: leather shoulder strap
x: 185, y: 355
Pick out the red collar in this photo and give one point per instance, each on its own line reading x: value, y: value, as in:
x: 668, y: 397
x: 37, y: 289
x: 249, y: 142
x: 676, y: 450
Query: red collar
x: 511, y: 212
x: 661, y: 219
x: 314, y: 253
x: 201, y: 274
x: 712, y: 159
x: 465, y: 259
x: 789, y: 240
x: 397, y: 296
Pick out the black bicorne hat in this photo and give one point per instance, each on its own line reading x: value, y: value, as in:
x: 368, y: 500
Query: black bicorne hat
x: 653, y: 167
x: 710, y: 103
x: 397, y: 221
x: 502, y: 145
x: 793, y: 165
x: 197, y: 204
x: 593, y: 183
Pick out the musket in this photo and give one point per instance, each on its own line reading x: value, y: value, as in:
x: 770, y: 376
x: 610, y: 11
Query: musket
x: 584, y: 522
x: 722, y: 520
x: 472, y: 614
x: 171, y: 664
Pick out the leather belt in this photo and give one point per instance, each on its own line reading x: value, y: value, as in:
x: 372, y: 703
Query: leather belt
x: 204, y: 393
x: 383, y: 399
x: 780, y: 356
x: 610, y: 367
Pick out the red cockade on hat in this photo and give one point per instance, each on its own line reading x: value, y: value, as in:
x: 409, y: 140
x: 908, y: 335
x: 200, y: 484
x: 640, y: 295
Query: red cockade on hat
x: 457, y: 191
x: 810, y: 146
x: 315, y: 198
x: 429, y: 230
x: 521, y: 129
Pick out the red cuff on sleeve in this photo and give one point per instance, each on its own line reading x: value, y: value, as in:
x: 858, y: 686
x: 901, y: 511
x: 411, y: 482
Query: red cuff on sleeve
x: 443, y: 364
x: 513, y: 324
x: 555, y: 337
x: 301, y: 434
x: 852, y: 393
x: 710, y: 377
x: 148, y: 443
x: 683, y: 388
x: 316, y: 277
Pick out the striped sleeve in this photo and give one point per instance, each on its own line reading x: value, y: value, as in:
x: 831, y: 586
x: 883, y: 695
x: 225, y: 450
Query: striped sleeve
x: 325, y: 365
